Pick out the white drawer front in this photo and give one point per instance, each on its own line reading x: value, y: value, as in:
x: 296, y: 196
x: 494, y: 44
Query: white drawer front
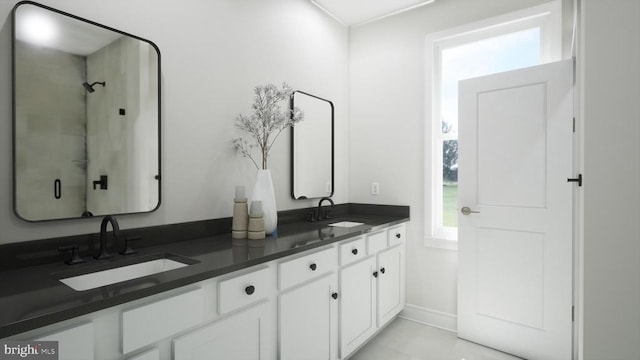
x: 377, y: 242
x: 243, y: 290
x: 353, y: 251
x: 302, y: 269
x: 396, y: 234
x: 152, y: 322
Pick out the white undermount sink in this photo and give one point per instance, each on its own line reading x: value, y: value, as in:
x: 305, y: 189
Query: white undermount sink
x: 346, y: 224
x: 111, y: 276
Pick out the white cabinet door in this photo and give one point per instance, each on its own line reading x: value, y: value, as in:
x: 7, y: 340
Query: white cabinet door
x: 244, y: 336
x: 153, y: 354
x: 74, y: 343
x: 148, y: 323
x: 308, y: 321
x: 390, y: 279
x: 357, y: 304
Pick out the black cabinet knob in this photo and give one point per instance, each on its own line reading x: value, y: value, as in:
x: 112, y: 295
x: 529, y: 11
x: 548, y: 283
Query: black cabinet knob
x: 382, y: 270
x: 375, y: 274
x: 250, y: 289
x: 398, y: 235
x: 354, y: 251
x: 313, y: 267
x: 334, y: 296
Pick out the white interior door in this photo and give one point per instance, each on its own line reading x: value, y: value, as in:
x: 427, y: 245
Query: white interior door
x: 515, y: 246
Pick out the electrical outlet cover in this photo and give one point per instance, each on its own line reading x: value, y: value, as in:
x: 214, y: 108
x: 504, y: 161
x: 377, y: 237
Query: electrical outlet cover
x: 375, y: 188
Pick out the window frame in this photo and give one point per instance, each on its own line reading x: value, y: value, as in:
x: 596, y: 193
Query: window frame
x: 548, y: 18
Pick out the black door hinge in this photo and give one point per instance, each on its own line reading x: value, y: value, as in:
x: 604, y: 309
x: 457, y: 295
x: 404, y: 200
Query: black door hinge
x: 578, y: 180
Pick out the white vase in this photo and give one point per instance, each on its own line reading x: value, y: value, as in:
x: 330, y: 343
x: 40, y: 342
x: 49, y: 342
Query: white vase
x: 263, y: 191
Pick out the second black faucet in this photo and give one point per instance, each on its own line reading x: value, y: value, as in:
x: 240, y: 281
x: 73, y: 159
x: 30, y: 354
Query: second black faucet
x: 320, y: 214
x: 103, y: 235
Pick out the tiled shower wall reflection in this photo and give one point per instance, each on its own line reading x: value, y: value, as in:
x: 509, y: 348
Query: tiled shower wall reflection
x: 50, y: 132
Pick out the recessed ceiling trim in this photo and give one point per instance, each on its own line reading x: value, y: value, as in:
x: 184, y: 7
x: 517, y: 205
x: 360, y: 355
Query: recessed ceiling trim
x: 359, y: 12
x: 395, y: 13
x: 328, y: 12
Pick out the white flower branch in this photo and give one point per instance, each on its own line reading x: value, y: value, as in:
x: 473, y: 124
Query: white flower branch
x: 266, y: 123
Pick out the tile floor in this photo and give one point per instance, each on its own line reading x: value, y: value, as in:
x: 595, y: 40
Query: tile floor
x: 408, y: 340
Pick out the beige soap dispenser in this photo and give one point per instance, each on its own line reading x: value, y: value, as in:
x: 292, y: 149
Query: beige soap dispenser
x: 240, y: 221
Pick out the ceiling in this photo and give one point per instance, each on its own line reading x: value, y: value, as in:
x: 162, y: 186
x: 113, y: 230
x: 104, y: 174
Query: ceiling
x: 40, y: 26
x: 357, y: 12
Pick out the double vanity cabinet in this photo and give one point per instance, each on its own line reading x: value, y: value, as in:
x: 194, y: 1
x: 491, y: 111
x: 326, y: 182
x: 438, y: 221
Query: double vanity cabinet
x: 360, y: 287
x: 322, y: 303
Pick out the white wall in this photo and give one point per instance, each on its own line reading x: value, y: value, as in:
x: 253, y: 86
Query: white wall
x: 609, y: 68
x: 213, y: 54
x: 386, y: 142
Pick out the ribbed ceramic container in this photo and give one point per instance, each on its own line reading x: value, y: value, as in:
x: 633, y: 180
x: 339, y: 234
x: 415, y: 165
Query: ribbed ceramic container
x: 263, y: 191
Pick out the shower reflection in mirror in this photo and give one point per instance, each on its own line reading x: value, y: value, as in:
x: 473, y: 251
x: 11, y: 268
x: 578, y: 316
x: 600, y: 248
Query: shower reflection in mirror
x: 86, y: 107
x: 89, y: 87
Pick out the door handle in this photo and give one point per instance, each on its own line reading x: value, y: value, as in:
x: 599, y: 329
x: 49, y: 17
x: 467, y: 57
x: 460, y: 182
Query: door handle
x: 467, y: 210
x: 576, y: 180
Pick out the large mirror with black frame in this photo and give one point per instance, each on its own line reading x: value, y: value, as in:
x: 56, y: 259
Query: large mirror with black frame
x: 86, y: 117
x: 312, y: 147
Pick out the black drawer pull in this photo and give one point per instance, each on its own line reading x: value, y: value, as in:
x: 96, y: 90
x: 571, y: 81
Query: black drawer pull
x: 313, y: 267
x: 398, y: 235
x: 250, y: 289
x: 334, y: 296
x: 382, y: 270
x: 375, y: 274
x: 354, y: 251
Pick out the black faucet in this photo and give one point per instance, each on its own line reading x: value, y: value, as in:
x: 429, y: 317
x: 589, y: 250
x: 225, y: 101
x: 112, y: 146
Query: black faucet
x: 319, y: 212
x: 103, y: 235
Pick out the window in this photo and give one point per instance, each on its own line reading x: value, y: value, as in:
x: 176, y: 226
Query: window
x: 513, y: 41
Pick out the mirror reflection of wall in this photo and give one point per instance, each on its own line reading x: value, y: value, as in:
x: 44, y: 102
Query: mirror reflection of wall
x: 86, y: 109
x: 121, y: 125
x: 312, y: 148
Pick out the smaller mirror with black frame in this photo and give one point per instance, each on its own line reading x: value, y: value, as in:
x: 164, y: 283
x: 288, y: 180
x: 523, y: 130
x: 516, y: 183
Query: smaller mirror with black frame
x: 312, y: 144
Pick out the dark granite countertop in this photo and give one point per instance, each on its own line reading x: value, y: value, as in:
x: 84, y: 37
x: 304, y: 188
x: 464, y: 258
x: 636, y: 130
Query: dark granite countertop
x: 32, y: 297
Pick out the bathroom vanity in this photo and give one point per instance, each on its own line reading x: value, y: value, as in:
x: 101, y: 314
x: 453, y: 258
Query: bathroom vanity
x: 317, y: 290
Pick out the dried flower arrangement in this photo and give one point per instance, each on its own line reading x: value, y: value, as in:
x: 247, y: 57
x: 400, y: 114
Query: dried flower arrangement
x: 266, y: 123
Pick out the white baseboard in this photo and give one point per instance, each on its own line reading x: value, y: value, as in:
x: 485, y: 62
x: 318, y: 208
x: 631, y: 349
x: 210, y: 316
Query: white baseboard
x: 430, y: 317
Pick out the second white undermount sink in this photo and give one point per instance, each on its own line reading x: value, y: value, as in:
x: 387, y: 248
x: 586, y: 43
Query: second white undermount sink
x: 346, y: 224
x: 119, y: 274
